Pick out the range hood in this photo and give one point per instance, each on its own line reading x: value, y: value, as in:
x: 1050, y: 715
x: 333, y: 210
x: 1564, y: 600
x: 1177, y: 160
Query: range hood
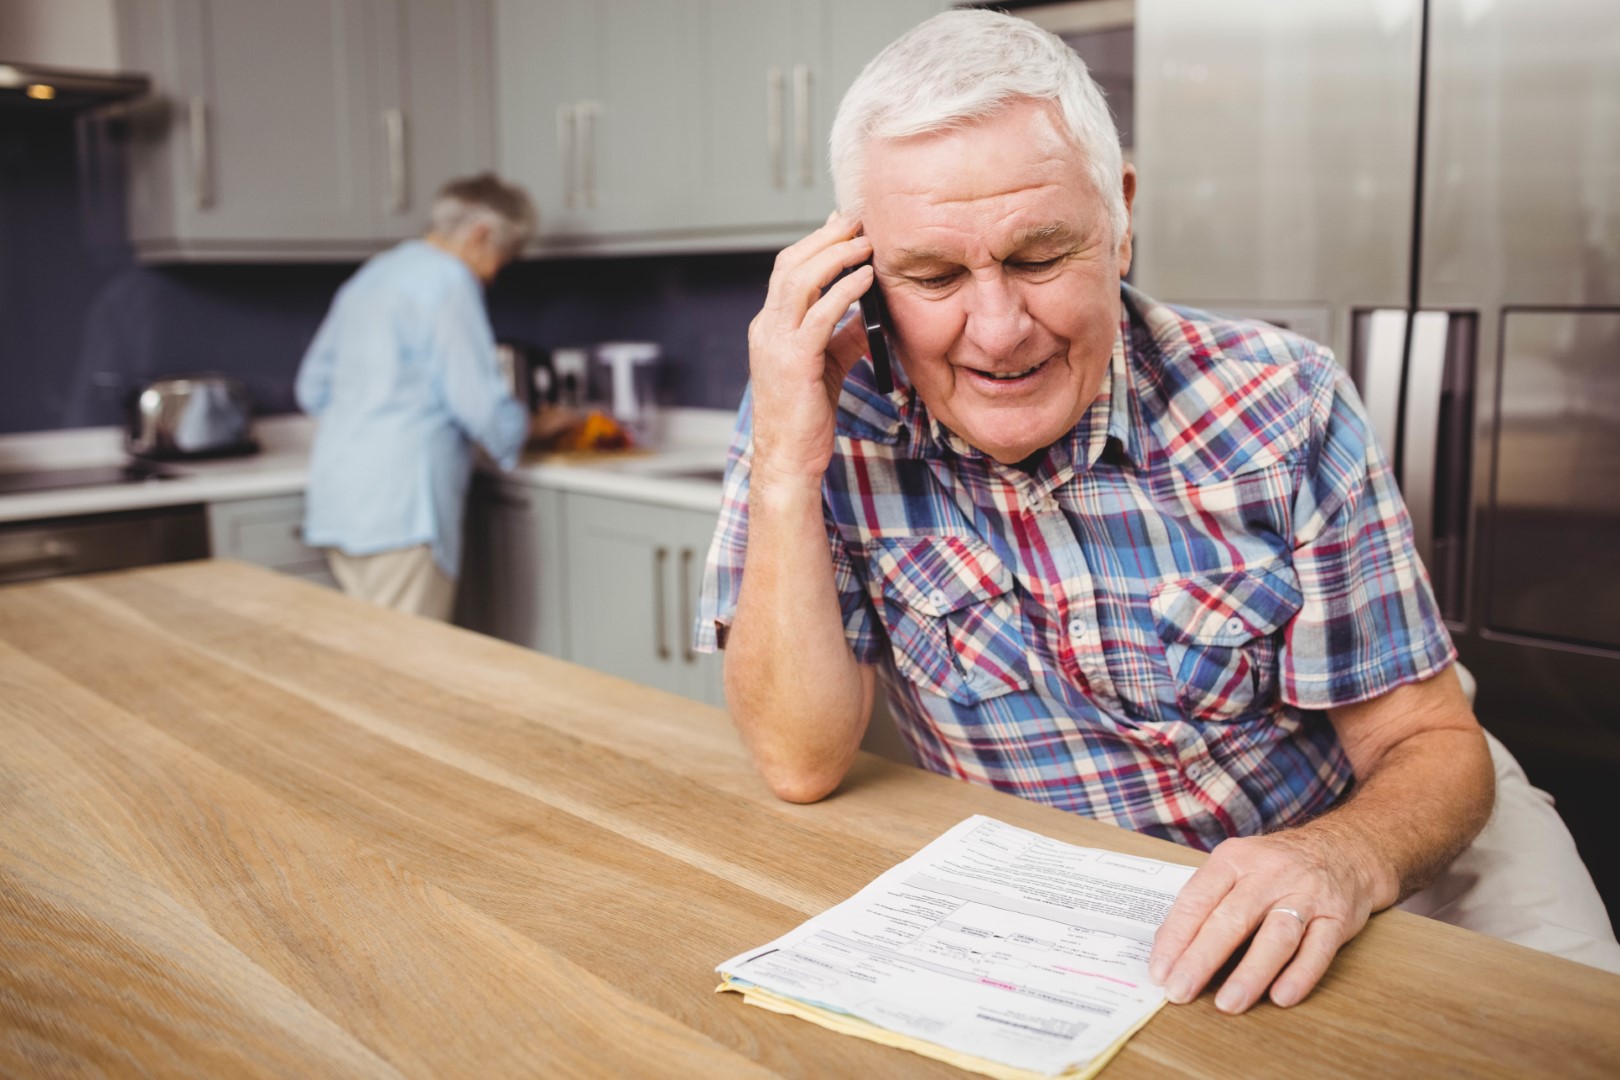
x: 26, y: 85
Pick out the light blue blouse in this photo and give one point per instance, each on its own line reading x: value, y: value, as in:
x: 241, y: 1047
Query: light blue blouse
x: 403, y: 378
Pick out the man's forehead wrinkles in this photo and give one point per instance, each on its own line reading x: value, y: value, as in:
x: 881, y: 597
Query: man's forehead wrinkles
x: 1054, y: 232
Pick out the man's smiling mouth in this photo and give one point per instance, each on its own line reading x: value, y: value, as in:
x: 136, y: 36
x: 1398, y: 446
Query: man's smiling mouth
x: 1007, y: 376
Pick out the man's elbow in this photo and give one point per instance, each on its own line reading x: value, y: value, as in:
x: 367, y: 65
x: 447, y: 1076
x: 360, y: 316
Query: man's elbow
x: 800, y: 785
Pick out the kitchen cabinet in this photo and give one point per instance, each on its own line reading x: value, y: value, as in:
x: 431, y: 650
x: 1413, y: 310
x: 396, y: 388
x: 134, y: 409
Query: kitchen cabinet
x: 511, y: 583
x: 680, y: 124
x: 269, y: 532
x: 634, y: 572
x: 304, y: 128
x: 597, y: 114
x: 775, y: 73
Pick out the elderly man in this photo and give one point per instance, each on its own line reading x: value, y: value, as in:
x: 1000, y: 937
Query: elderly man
x: 1129, y: 560
x: 404, y: 379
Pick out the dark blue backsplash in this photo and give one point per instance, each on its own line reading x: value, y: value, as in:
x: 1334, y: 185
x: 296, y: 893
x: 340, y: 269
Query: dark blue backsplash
x: 81, y: 322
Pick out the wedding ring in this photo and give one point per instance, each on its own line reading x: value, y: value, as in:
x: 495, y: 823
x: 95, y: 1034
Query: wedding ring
x: 1290, y: 911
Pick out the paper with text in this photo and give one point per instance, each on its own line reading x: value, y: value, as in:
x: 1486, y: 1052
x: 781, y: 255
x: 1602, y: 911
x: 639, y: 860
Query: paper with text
x: 1013, y: 952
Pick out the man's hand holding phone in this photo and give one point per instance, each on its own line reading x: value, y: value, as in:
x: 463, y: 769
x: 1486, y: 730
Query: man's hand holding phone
x: 796, y: 360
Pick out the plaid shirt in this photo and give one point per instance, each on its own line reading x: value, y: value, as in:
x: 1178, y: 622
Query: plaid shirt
x: 1147, y: 626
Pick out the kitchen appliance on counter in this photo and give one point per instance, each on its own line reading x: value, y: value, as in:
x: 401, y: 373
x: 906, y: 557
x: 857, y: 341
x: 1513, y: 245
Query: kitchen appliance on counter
x: 632, y: 369
x: 1432, y: 187
x: 191, y: 416
x: 527, y: 372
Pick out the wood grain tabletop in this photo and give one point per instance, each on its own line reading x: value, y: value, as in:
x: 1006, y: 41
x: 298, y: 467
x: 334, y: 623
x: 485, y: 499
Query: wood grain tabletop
x: 249, y: 827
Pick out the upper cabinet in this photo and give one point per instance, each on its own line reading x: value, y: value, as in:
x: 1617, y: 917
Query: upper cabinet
x: 322, y: 128
x: 596, y: 108
x: 680, y: 124
x: 432, y: 110
x: 303, y: 127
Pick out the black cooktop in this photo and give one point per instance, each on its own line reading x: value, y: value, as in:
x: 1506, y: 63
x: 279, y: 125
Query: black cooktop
x: 135, y: 472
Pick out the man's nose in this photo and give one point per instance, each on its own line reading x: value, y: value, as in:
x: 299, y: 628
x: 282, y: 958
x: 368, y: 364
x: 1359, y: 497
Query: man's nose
x: 997, y: 319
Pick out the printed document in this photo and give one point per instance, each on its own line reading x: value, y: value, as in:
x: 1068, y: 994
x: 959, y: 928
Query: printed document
x: 993, y: 948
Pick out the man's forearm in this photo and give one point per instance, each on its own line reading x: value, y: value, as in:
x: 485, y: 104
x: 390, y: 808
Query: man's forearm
x: 1412, y: 812
x: 796, y: 692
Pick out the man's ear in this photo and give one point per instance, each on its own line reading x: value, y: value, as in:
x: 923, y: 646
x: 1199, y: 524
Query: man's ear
x: 1128, y: 183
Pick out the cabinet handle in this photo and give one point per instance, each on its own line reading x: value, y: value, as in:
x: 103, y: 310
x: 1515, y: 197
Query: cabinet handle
x: 202, y: 179
x: 587, y: 132
x: 398, y: 195
x: 688, y: 654
x: 50, y: 554
x: 775, y: 93
x: 801, y: 123
x: 565, y: 151
x: 660, y: 560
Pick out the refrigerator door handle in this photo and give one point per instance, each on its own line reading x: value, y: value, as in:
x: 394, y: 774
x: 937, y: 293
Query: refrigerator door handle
x: 1437, y: 448
x: 1377, y: 367
x: 1425, y: 380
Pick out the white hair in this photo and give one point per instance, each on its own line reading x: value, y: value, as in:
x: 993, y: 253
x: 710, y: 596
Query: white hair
x: 485, y: 200
x: 961, y: 67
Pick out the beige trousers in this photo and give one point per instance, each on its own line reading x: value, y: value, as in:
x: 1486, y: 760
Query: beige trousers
x: 406, y: 580
x: 1522, y: 879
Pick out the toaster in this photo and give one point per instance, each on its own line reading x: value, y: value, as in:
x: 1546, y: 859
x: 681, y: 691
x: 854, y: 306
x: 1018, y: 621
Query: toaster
x: 191, y: 416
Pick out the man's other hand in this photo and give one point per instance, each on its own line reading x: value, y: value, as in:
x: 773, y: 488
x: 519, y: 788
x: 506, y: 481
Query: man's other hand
x: 1299, y: 895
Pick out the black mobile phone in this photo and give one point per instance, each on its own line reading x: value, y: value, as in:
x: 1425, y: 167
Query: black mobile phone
x: 875, y: 317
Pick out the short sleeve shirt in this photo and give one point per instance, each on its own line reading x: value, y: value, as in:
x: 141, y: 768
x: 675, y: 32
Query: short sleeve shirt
x: 1147, y: 626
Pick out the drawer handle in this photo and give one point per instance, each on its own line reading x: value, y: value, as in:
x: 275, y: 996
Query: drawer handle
x: 660, y: 560
x: 687, y: 652
x: 48, y: 555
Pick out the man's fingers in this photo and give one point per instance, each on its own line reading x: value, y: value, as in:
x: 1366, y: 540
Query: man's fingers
x: 787, y: 275
x: 801, y: 288
x: 1323, y: 939
x: 1222, y: 933
x: 1275, y: 943
x: 824, y: 314
x: 1201, y: 895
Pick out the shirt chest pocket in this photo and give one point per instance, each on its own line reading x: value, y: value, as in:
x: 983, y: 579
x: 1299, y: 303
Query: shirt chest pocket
x: 949, y: 608
x: 1221, y: 633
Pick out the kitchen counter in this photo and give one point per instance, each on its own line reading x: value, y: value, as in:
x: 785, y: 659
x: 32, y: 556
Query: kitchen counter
x: 692, y: 440
x: 251, y: 827
x: 281, y: 467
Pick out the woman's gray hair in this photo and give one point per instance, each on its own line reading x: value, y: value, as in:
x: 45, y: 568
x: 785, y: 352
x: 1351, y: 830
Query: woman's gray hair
x: 485, y: 199
x: 961, y: 67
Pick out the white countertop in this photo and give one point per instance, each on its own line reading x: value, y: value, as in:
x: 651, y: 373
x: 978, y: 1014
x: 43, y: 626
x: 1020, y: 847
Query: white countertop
x: 691, y: 439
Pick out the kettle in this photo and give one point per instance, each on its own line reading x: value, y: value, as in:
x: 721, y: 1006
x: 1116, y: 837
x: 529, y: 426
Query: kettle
x: 190, y: 416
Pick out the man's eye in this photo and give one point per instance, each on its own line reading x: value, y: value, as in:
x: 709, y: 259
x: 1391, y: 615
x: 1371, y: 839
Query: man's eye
x: 935, y: 281
x: 1036, y: 266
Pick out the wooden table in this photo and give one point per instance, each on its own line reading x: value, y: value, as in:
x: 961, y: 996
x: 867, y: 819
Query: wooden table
x: 251, y: 827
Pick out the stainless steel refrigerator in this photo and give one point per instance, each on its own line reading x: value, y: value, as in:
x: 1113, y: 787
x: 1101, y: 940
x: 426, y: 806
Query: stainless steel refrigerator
x: 1432, y: 188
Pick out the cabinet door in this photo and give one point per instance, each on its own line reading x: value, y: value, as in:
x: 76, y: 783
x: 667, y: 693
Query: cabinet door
x: 633, y: 575
x: 546, y: 61
x: 639, y: 141
x: 511, y: 583
x: 266, y: 532
x: 432, y: 118
x: 271, y: 110
x: 749, y: 173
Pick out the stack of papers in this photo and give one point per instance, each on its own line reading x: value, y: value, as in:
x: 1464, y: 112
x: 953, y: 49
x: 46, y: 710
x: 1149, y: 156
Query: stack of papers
x: 993, y: 948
